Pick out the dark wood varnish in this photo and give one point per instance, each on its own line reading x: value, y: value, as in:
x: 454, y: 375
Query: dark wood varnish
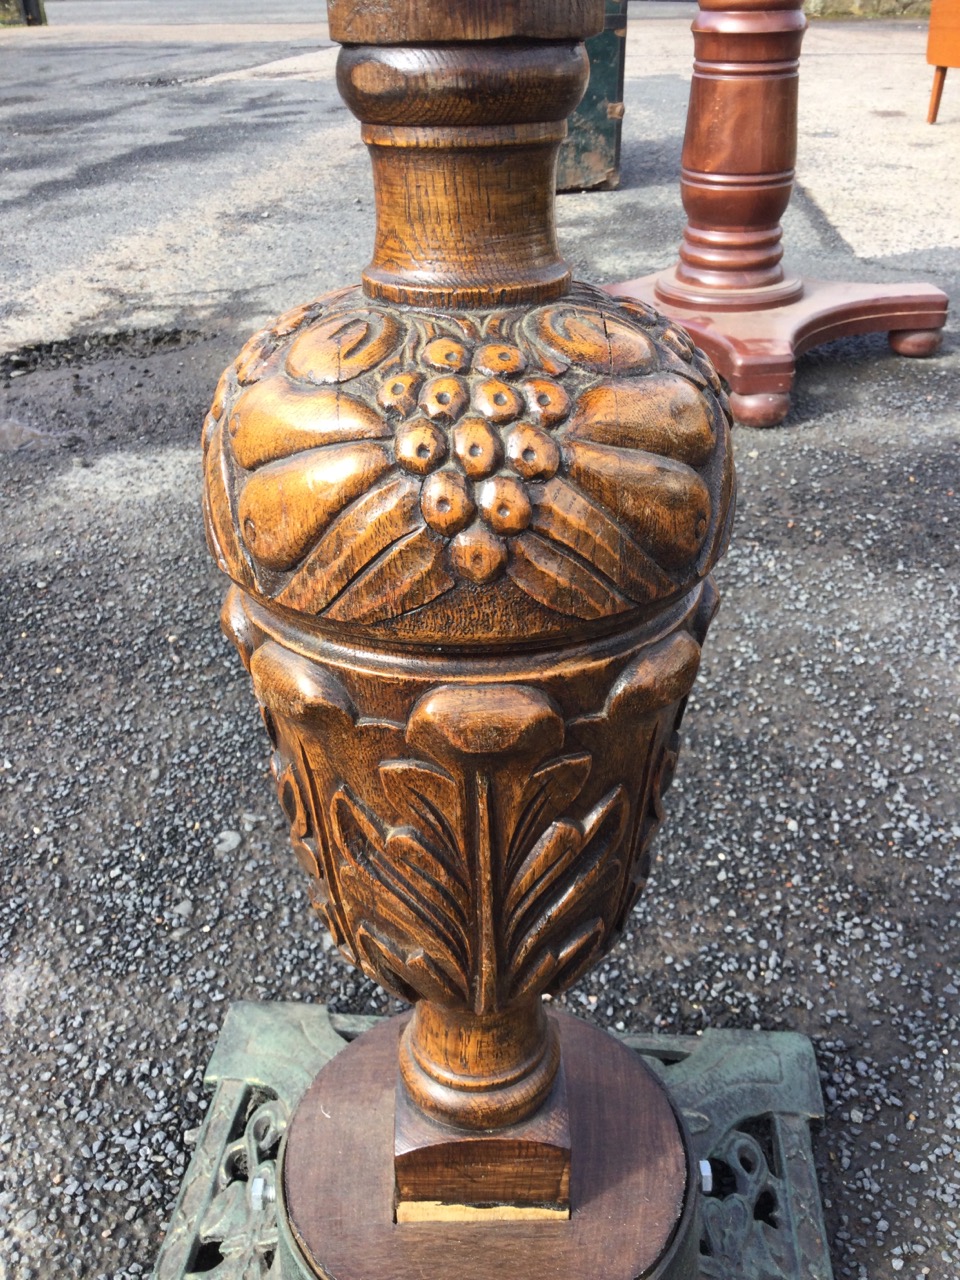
x: 739, y: 153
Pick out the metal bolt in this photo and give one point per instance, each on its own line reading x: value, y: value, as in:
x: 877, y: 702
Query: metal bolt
x: 262, y: 1193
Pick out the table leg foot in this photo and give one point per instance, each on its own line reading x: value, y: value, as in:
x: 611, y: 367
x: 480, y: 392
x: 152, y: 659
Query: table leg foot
x: 915, y: 342
x: 763, y: 409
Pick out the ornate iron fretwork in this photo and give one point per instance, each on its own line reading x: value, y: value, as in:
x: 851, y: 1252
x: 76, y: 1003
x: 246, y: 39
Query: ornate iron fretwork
x: 748, y: 1099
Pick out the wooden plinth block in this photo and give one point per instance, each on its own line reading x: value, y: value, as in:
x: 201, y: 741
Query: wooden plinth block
x: 451, y: 1174
x: 633, y: 1211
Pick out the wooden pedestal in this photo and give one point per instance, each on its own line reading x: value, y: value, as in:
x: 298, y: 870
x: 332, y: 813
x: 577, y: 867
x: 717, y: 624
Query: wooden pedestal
x: 445, y: 1173
x: 633, y: 1209
x: 469, y: 510
x: 756, y: 349
x: 729, y: 289
x: 748, y: 1098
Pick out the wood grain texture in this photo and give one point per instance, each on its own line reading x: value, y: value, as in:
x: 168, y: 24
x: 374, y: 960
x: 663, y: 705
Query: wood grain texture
x: 477, y: 828
x: 445, y: 1173
x: 470, y: 511
x: 631, y: 1215
x: 463, y: 141
x: 452, y: 21
x: 470, y: 476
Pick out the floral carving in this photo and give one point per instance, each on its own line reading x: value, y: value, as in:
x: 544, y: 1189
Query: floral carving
x: 362, y: 463
x: 488, y: 890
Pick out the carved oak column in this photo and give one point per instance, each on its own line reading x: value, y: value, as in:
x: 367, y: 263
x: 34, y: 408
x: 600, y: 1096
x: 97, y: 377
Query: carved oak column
x: 729, y: 287
x: 469, y: 510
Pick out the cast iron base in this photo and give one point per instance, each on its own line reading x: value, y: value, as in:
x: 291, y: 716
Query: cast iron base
x: 756, y: 350
x: 747, y: 1099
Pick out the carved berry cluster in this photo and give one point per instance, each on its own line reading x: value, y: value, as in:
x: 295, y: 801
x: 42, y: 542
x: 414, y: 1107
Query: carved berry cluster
x: 476, y: 429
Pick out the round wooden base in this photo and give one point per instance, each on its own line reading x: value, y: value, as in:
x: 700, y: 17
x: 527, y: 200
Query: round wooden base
x: 671, y: 291
x: 634, y: 1209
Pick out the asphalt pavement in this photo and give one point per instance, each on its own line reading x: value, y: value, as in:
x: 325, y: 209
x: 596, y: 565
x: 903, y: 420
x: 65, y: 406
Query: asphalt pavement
x: 167, y: 185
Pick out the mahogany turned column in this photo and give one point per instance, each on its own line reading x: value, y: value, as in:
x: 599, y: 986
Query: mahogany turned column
x: 729, y: 288
x: 469, y: 510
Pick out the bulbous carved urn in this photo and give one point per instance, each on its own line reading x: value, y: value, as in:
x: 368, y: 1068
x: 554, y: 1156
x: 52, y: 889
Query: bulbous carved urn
x: 469, y: 511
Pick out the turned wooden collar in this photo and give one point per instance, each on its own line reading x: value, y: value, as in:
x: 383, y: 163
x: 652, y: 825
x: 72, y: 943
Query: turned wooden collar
x: 453, y: 21
x: 463, y: 141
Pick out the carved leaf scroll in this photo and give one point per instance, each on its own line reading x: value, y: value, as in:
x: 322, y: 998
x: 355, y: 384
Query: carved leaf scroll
x: 489, y: 847
x: 558, y: 916
x: 343, y: 345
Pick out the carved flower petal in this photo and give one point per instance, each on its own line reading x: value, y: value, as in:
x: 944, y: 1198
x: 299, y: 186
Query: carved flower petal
x: 292, y: 686
x: 664, y: 504
x: 291, y: 320
x: 353, y: 541
x: 485, y: 720
x: 598, y: 340
x: 220, y: 395
x: 273, y: 419
x: 662, y: 414
x: 339, y: 347
x: 410, y: 574
x: 252, y: 354
x: 567, y: 516
x: 218, y: 514
x: 285, y: 506
x: 558, y: 581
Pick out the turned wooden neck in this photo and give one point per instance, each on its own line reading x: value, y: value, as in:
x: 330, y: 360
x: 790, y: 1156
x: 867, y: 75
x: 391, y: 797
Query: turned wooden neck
x: 463, y: 140
x: 738, y: 155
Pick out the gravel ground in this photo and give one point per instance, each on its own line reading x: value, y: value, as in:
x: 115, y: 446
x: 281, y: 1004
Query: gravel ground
x: 808, y: 867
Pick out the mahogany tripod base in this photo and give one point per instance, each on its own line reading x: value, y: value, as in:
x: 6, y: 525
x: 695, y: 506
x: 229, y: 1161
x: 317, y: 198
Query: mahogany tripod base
x: 756, y: 350
x: 634, y: 1208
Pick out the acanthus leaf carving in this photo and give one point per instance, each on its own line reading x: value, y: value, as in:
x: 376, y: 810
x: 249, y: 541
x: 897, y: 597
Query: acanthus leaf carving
x: 551, y: 789
x: 379, y: 890
x: 568, y: 875
x: 487, y: 848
